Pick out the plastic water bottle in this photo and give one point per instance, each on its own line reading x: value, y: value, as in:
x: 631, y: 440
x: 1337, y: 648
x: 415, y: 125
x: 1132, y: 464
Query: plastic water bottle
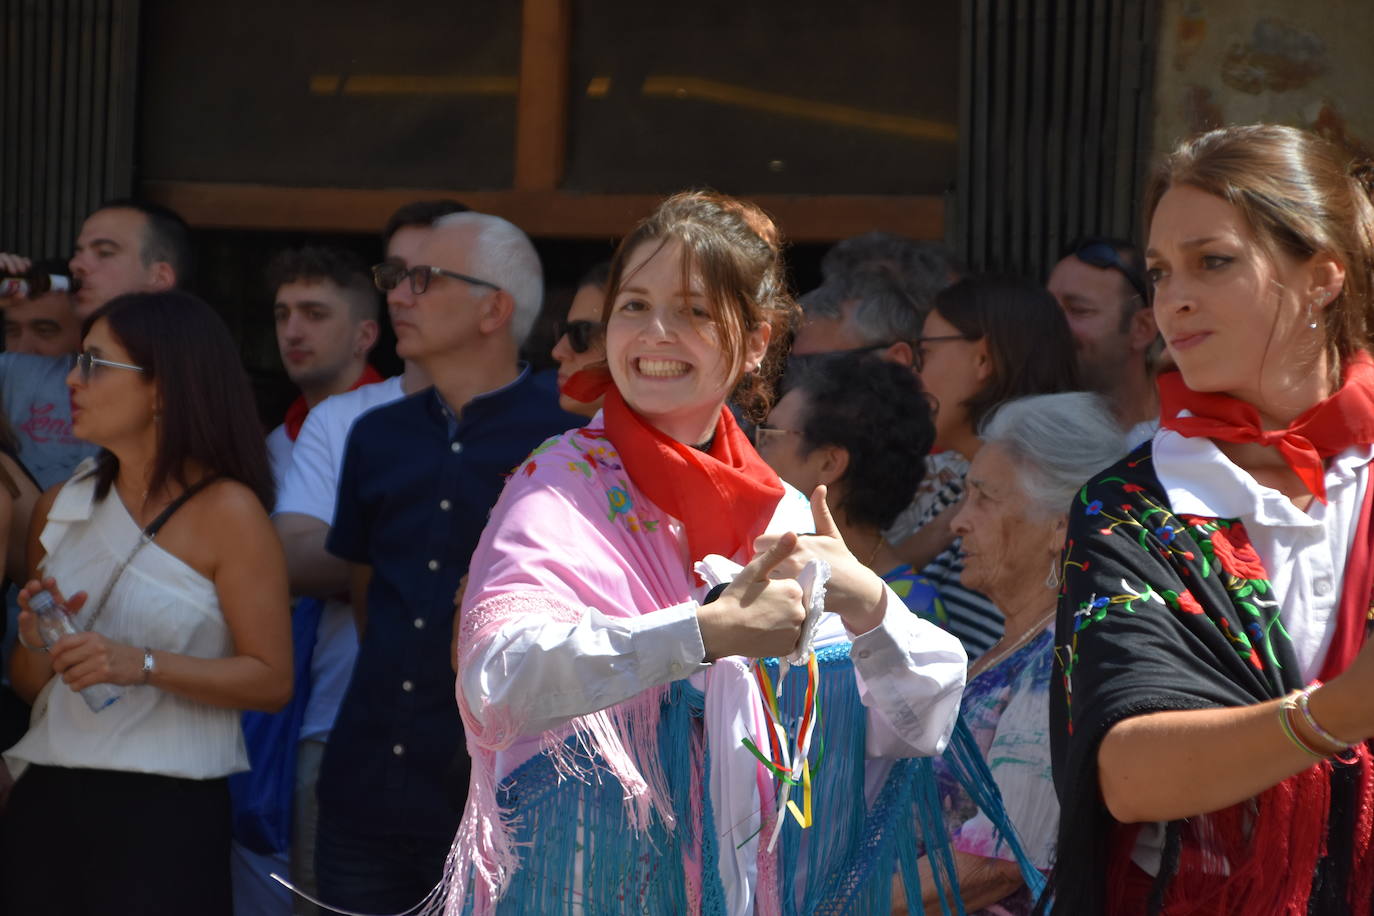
x: 53, y: 623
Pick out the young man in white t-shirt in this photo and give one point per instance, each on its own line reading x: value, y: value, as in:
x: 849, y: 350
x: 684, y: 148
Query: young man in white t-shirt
x: 306, y: 496
x: 325, y: 310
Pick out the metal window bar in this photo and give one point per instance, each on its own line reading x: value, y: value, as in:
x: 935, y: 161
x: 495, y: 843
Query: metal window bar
x: 1054, y: 127
x: 68, y: 72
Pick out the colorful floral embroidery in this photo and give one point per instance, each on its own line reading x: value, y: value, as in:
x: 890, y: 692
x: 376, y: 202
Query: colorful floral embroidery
x: 620, y: 505
x: 1155, y: 520
x: 1196, y: 549
x: 619, y: 499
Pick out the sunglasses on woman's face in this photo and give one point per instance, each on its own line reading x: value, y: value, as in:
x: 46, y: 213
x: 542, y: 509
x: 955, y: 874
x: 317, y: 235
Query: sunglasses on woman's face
x: 582, y: 335
x: 88, y: 362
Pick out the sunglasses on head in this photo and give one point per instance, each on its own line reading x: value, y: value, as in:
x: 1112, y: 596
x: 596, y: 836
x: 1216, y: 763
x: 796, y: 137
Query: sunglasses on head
x: 582, y: 335
x: 1103, y: 254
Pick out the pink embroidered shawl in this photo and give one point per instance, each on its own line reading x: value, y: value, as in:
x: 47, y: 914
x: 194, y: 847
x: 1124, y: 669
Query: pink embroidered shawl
x: 571, y: 532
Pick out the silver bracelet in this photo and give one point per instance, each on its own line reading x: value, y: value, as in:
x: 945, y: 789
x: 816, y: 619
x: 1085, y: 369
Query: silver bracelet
x: 1302, y: 700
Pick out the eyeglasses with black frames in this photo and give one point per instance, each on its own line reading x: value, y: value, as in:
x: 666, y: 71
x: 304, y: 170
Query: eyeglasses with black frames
x: 388, y: 275
x: 87, y: 363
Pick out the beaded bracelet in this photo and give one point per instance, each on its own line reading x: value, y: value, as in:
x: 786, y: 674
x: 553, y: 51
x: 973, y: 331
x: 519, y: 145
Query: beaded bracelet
x: 1286, y: 708
x: 1302, y: 700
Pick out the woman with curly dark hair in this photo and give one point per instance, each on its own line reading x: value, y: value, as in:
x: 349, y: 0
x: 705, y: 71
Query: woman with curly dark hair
x: 861, y: 426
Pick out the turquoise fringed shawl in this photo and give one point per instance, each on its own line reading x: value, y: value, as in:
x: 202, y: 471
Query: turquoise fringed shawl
x: 844, y: 864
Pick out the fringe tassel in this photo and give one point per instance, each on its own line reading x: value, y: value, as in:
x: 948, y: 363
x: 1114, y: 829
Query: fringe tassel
x: 1261, y: 857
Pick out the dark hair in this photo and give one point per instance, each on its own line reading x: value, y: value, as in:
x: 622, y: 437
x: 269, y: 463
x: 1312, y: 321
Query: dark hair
x: 207, y: 411
x: 1028, y: 338
x: 339, y: 266
x: 876, y: 411
x: 166, y: 237
x: 737, y: 251
x: 420, y: 213
x: 598, y: 275
x: 1301, y: 195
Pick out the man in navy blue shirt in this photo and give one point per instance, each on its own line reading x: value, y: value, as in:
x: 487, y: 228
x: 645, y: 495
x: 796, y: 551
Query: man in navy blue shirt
x: 419, y: 479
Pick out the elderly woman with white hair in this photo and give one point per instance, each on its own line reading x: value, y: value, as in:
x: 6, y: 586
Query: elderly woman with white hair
x: 1036, y: 453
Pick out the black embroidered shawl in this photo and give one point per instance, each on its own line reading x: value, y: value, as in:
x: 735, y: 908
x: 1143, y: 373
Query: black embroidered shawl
x: 1157, y: 613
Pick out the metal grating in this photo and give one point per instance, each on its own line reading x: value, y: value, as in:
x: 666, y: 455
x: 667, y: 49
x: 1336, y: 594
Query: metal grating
x: 1054, y: 127
x: 67, y: 82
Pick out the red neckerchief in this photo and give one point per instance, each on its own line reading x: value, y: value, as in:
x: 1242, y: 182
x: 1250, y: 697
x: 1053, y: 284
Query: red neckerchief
x: 724, y: 497
x: 297, y: 412
x: 1329, y: 427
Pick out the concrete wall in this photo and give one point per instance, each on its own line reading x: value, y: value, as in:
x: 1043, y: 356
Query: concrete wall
x: 1308, y: 63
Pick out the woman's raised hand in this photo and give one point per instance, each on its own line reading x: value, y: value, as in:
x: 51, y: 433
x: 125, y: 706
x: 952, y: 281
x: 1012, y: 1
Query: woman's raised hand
x: 757, y: 615
x: 854, y: 591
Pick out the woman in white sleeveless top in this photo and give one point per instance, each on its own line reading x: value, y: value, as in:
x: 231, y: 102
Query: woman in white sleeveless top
x: 126, y: 809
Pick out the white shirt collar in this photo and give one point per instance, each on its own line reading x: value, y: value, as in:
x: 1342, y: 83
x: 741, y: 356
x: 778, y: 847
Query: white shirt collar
x: 1200, y: 480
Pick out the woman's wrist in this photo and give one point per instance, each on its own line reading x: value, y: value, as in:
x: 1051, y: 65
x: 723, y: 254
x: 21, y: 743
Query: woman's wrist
x: 873, y: 608
x: 1339, y: 713
x: 19, y: 634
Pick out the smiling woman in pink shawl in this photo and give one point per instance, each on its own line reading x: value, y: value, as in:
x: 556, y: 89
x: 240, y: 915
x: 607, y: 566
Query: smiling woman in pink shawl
x: 609, y: 699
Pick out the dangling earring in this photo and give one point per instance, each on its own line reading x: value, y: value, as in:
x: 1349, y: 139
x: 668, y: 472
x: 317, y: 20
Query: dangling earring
x: 1317, y: 303
x: 1052, y: 580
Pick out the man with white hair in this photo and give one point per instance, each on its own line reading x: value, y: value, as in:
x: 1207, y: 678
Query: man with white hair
x: 419, y: 478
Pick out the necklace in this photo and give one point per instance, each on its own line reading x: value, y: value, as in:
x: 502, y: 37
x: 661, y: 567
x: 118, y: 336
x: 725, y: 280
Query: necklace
x: 877, y: 545
x: 984, y: 663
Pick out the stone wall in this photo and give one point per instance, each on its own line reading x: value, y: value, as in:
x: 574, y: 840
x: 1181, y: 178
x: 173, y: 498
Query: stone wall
x: 1309, y: 64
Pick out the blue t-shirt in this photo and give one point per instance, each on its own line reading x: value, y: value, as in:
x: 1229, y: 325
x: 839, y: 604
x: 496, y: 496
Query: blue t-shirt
x: 39, y: 407
x: 417, y: 486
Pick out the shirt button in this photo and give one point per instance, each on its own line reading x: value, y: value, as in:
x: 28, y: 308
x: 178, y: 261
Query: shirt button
x: 398, y: 749
x: 419, y: 623
x: 1323, y: 587
x: 433, y: 565
x: 675, y: 667
x: 864, y: 653
x: 445, y: 505
x: 456, y: 447
x: 407, y: 686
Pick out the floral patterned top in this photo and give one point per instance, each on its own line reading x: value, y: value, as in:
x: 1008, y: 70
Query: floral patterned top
x: 1006, y: 707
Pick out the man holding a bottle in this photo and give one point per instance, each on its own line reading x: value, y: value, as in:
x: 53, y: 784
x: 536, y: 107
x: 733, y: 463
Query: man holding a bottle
x: 125, y: 246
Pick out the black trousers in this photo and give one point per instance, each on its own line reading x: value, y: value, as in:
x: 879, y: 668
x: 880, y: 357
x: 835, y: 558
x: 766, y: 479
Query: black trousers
x: 81, y: 842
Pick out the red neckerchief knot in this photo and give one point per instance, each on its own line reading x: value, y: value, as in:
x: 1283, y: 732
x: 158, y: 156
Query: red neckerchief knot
x: 724, y: 497
x: 1329, y: 427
